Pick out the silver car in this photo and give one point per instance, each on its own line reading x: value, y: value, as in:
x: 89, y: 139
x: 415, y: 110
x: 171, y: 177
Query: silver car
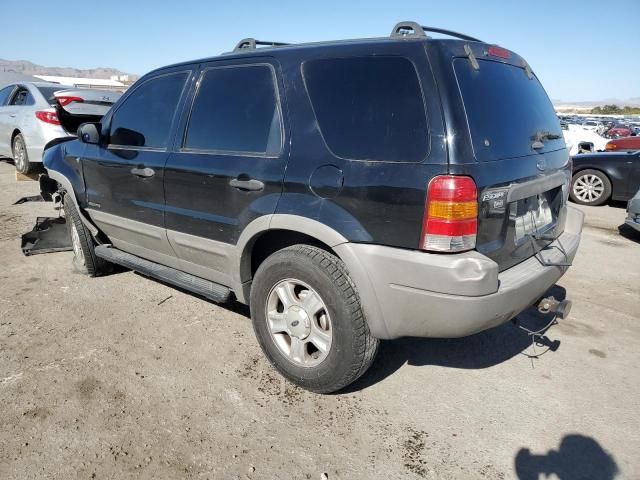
x: 633, y: 212
x: 34, y: 113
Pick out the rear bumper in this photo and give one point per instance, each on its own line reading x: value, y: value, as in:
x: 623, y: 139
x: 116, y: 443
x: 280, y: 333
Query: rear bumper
x: 413, y: 293
x: 37, y: 140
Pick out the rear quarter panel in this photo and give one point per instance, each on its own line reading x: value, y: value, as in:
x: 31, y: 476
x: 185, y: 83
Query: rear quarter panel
x: 364, y: 201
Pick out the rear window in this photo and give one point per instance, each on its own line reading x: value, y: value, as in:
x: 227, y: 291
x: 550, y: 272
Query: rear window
x: 369, y: 108
x: 505, y: 110
x: 48, y: 92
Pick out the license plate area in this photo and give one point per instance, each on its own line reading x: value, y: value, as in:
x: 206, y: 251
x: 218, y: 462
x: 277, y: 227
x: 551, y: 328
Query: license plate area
x: 536, y: 215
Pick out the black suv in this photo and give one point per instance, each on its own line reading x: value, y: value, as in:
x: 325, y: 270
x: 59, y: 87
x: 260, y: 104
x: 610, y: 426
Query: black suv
x: 348, y: 191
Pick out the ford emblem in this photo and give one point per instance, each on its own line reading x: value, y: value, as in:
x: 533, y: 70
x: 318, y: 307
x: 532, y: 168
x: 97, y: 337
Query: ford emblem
x: 541, y: 164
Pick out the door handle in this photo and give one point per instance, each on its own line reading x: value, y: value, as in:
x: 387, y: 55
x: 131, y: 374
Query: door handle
x: 143, y: 172
x: 13, y: 115
x: 253, y: 185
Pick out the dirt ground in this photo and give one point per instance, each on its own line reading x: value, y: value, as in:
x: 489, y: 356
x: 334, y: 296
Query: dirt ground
x: 124, y: 377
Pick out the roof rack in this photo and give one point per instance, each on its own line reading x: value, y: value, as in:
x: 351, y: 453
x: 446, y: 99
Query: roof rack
x: 252, y: 44
x: 406, y: 29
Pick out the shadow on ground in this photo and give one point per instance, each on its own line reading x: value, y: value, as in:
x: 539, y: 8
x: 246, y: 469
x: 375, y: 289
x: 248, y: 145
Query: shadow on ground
x: 629, y: 233
x: 578, y: 458
x: 482, y: 350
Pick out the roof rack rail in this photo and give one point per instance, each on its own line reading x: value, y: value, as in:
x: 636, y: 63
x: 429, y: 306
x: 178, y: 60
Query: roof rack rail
x: 252, y: 44
x: 405, y: 29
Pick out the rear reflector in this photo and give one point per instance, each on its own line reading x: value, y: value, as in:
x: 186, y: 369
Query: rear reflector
x: 499, y: 52
x: 64, y: 101
x: 48, y: 117
x: 450, y: 222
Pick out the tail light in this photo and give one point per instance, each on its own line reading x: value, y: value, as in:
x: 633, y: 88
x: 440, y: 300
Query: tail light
x: 48, y: 117
x: 64, y: 101
x: 610, y: 146
x: 450, y: 222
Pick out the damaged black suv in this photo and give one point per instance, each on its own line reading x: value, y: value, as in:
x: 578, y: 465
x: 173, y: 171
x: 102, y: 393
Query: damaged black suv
x: 347, y: 191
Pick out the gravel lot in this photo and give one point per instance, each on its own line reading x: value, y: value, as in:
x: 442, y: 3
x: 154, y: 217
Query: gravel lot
x: 124, y: 377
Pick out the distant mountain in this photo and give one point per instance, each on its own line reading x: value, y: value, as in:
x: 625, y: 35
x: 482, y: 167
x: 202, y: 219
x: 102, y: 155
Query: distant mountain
x: 631, y: 102
x: 27, y: 68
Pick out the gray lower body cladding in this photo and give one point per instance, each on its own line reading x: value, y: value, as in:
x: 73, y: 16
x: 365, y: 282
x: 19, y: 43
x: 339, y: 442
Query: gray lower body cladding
x: 413, y: 293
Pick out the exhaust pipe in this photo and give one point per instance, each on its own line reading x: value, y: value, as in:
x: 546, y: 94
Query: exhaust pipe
x: 560, y: 307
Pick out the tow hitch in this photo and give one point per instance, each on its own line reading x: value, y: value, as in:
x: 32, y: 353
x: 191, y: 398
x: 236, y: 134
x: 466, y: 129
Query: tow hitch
x: 560, y: 307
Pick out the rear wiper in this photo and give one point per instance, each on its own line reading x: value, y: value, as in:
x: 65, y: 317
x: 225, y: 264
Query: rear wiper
x: 542, y: 135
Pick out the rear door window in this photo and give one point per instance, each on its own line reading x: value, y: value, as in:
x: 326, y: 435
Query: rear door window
x: 505, y: 109
x: 236, y: 110
x: 369, y: 108
x: 22, y: 97
x: 145, y: 117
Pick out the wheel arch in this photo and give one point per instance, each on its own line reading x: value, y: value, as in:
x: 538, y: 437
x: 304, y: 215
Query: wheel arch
x: 265, y: 236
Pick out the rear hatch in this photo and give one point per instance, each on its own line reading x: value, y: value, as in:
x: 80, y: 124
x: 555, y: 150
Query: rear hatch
x: 79, y: 105
x: 506, y: 135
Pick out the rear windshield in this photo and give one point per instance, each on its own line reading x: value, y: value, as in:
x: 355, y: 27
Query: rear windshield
x: 505, y: 110
x: 369, y: 108
x: 48, y: 92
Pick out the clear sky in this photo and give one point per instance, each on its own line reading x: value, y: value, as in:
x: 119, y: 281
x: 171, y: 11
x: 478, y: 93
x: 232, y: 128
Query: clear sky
x: 581, y: 50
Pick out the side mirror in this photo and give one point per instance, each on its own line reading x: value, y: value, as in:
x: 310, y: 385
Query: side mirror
x: 89, y: 133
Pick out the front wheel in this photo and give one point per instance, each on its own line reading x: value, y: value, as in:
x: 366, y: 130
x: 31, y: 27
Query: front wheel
x: 590, y: 187
x: 307, y: 317
x: 20, y: 155
x: 85, y: 259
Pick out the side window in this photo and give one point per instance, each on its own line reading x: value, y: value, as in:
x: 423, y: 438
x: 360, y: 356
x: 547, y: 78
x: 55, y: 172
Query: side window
x: 369, y: 108
x: 4, y: 94
x: 144, y: 119
x: 21, y: 97
x: 236, y: 110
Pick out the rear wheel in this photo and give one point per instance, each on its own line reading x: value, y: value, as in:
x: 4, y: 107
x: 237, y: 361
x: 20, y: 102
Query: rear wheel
x: 85, y: 259
x: 20, y: 155
x: 307, y: 316
x: 590, y: 187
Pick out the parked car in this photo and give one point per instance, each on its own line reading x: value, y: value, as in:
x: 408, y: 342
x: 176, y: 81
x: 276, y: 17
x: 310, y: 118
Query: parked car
x: 633, y: 212
x: 34, y: 113
x: 619, y: 131
x: 337, y: 188
x: 598, y: 177
x: 591, y: 125
x: 623, y: 144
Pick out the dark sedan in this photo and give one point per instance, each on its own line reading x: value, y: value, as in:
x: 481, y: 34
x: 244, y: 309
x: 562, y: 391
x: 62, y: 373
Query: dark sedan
x: 597, y: 177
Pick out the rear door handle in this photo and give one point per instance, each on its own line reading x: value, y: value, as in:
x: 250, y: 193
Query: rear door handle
x: 143, y: 172
x: 253, y: 185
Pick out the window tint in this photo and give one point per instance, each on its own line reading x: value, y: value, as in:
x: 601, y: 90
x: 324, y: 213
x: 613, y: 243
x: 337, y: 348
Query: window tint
x: 48, y: 92
x: 369, y: 108
x: 236, y: 110
x: 4, y: 94
x: 145, y: 117
x: 505, y: 110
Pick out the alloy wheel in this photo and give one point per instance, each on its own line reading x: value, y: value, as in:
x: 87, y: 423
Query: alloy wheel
x: 588, y: 188
x: 77, y: 247
x: 299, y: 323
x: 19, y: 153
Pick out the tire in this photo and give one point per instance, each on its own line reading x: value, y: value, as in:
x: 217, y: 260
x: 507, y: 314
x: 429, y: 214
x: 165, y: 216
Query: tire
x: 590, y: 187
x: 339, y: 323
x: 20, y: 155
x: 85, y: 259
